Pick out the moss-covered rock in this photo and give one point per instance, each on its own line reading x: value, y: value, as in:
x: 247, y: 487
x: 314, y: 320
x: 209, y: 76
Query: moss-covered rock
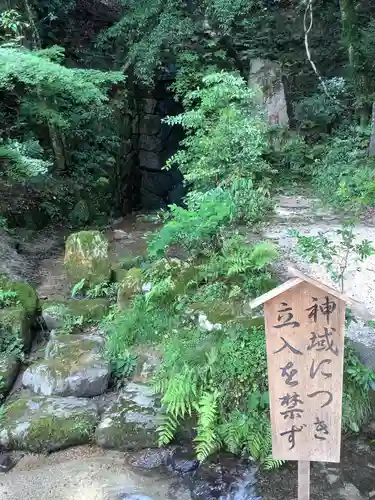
x: 73, y: 366
x: 86, y: 257
x: 118, y: 273
x: 9, y: 368
x: 56, y: 313
x: 17, y: 320
x: 218, y: 311
x: 148, y: 361
x: 131, y: 423
x: 26, y: 294
x: 129, y: 286
x: 45, y: 424
x: 15, y: 323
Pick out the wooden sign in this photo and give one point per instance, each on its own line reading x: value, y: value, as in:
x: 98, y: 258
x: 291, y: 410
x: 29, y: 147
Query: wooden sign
x: 305, y: 347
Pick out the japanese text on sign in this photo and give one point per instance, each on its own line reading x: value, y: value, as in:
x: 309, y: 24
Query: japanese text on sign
x: 305, y: 343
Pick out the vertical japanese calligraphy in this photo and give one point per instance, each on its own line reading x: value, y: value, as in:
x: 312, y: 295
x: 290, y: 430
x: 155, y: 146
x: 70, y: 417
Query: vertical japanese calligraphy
x: 305, y: 347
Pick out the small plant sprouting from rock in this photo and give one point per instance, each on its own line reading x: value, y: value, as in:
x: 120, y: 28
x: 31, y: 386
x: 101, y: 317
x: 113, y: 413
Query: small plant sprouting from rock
x: 78, y: 288
x: 101, y: 290
x: 334, y: 255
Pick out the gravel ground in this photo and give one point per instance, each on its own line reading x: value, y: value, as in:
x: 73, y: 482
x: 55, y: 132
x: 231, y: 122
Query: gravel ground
x: 310, y: 219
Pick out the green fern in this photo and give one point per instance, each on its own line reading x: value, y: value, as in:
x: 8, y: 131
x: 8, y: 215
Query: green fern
x: 167, y: 429
x: 207, y: 438
x: 270, y: 463
x: 181, y: 392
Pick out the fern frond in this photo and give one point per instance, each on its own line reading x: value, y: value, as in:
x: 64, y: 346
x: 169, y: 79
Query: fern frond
x: 207, y: 437
x: 167, y: 429
x: 270, y: 463
x: 180, y: 394
x: 263, y: 254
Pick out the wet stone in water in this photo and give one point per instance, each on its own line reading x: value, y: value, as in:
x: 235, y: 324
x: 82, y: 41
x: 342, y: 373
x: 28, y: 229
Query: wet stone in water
x: 183, y: 460
x: 6, y: 462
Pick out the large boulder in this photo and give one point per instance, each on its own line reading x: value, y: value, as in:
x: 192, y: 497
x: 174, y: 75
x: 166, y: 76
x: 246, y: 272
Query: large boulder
x: 86, y: 257
x: 131, y: 422
x: 45, y: 424
x: 267, y: 75
x: 73, y: 366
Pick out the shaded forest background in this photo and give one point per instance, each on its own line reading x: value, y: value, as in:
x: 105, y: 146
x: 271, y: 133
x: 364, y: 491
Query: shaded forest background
x: 73, y: 74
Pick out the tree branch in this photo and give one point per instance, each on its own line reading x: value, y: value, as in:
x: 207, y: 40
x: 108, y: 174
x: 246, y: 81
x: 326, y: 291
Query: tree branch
x: 307, y: 26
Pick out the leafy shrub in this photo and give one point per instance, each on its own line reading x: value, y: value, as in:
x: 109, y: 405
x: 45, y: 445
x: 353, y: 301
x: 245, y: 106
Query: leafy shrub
x: 221, y: 378
x: 344, y: 175
x: 141, y: 323
x: 195, y: 230
x: 101, y: 290
x: 226, y: 141
x: 318, y: 113
x: 334, y: 254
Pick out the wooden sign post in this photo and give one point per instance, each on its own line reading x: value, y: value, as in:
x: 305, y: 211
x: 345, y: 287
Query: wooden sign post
x: 305, y: 350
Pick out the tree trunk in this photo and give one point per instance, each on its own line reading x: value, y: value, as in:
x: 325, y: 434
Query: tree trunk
x: 57, y: 138
x: 351, y: 36
x: 372, y: 137
x: 349, y: 28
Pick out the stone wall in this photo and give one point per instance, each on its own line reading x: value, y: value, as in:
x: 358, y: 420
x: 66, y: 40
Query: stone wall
x: 127, y: 176
x: 157, y: 142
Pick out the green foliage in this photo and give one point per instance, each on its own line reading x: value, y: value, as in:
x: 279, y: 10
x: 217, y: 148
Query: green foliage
x: 316, y: 114
x: 24, y: 159
x: 57, y: 130
x: 141, y: 323
x: 236, y: 258
x: 334, y: 252
x: 358, y: 379
x: 12, y: 24
x: 343, y: 173
x: 78, y: 288
x: 11, y: 343
x: 122, y: 366
x: 195, y: 230
x: 213, y: 378
x: 101, y: 290
x: 8, y: 298
x: 225, y: 144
